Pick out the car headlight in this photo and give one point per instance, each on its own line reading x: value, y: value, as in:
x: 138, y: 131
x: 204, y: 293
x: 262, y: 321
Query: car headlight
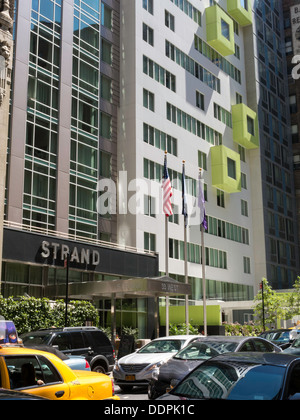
x: 155, y: 373
x: 155, y: 367
x: 117, y: 367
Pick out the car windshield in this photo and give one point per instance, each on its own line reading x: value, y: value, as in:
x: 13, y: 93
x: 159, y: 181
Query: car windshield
x: 205, y: 350
x: 296, y: 343
x: 235, y: 381
x: 281, y: 336
x: 34, y: 339
x: 162, y: 346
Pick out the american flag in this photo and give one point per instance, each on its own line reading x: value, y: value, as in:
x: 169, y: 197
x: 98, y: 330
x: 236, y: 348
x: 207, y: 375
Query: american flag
x: 167, y: 191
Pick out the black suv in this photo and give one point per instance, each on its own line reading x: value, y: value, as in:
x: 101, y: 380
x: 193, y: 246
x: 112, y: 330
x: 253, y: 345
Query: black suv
x: 89, y: 342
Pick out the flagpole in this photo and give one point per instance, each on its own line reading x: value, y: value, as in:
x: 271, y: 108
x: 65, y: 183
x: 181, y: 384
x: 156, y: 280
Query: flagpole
x: 167, y: 274
x: 184, y: 212
x: 203, y: 280
x: 203, y: 264
x: 186, y: 282
x: 167, y: 213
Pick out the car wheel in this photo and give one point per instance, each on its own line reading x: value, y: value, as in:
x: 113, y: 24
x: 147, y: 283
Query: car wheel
x: 152, y: 393
x: 126, y: 388
x: 99, y: 369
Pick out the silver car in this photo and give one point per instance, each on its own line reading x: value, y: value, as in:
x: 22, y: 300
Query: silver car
x: 136, y: 368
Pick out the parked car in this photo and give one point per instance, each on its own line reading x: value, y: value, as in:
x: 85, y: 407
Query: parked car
x: 44, y: 374
x: 204, y: 348
x: 294, y: 348
x: 89, y: 342
x: 136, y: 368
x: 74, y: 362
x: 241, y: 376
x: 281, y: 337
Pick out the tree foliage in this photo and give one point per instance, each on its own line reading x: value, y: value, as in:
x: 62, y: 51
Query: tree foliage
x: 277, y: 306
x: 29, y: 313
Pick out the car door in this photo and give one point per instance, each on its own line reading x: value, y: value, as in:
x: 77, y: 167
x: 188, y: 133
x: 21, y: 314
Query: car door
x: 292, y: 391
x: 80, y: 347
x: 36, y: 375
x: 62, y: 342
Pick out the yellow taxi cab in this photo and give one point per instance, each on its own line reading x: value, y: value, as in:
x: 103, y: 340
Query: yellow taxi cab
x: 44, y: 374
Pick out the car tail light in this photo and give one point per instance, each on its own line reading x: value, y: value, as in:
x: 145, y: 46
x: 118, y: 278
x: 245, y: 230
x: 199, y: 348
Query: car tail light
x: 87, y: 365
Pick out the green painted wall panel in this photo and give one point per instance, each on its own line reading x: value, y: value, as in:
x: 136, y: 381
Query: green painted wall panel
x: 177, y: 315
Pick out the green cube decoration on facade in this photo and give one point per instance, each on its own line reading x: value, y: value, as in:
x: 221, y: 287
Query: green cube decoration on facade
x: 245, y: 126
x: 226, y: 169
x: 240, y: 11
x: 219, y: 30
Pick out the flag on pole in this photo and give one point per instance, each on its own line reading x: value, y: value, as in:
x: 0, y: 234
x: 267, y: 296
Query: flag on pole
x: 184, y: 203
x: 201, y: 203
x: 167, y: 191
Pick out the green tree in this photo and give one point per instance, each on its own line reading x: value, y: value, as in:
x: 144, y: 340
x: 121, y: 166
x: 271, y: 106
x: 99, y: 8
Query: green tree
x: 269, y: 305
x: 293, y: 300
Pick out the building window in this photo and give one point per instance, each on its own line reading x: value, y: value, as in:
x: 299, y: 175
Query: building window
x: 149, y: 206
x: 288, y: 45
x: 106, y: 51
x: 169, y: 21
x: 242, y: 153
x: 293, y: 104
x: 149, y: 241
x: 244, y: 208
x: 199, y: 100
x: 231, y: 168
x: 106, y: 16
x: 106, y: 88
x: 250, y: 125
x: 225, y: 29
x: 243, y: 181
x: 105, y: 127
x: 175, y: 216
x: 148, y: 99
x: 148, y: 34
x: 244, y: 4
x: 238, y: 98
x: 220, y: 198
x: 148, y: 5
x: 247, y: 265
x: 202, y: 160
x: 105, y: 164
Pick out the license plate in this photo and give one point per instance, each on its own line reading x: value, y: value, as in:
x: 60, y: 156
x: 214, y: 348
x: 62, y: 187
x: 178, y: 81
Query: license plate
x: 130, y: 378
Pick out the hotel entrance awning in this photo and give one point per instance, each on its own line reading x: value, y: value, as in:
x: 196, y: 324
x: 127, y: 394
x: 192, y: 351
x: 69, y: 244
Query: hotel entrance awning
x: 133, y: 287
x: 151, y: 287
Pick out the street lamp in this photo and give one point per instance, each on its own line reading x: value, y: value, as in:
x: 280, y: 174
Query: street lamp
x: 263, y: 303
x: 66, y: 265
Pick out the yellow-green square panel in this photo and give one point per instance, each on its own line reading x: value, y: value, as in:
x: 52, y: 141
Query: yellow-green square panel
x: 225, y: 169
x: 241, y: 11
x: 219, y: 30
x: 245, y: 126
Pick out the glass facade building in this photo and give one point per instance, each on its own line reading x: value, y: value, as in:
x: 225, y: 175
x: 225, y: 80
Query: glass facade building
x: 279, y: 207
